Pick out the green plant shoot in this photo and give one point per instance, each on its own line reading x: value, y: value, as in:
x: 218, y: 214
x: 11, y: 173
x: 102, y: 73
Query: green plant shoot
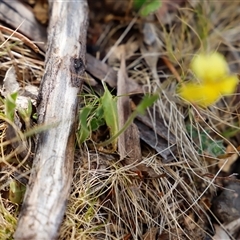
x: 10, y: 105
x: 213, y: 147
x: 97, y: 119
x: 147, y: 6
x: 109, y: 104
x: 84, y: 131
x: 104, y: 111
x: 26, y: 114
x: 91, y: 118
x: 16, y: 191
x: 146, y: 102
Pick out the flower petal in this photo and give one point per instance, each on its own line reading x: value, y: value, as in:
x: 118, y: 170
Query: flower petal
x: 210, y: 68
x: 202, y: 95
x: 228, y: 85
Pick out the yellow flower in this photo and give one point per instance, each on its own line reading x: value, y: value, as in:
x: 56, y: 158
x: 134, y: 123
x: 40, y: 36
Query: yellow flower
x: 210, y: 67
x: 214, y: 80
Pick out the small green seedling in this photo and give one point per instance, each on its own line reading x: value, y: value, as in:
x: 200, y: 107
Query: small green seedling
x: 109, y: 104
x: 26, y: 114
x: 104, y: 111
x: 147, y: 6
x: 213, y: 147
x: 16, y: 191
x: 10, y: 106
x: 146, y: 102
x: 91, y: 118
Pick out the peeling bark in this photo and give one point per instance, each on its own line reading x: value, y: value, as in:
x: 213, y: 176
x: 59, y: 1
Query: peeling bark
x: 50, y: 181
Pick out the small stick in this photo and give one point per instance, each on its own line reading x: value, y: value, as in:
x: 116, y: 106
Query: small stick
x: 172, y: 69
x: 24, y: 39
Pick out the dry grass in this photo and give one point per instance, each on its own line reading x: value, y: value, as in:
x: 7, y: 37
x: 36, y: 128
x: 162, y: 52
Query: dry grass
x: 117, y: 204
x: 108, y: 201
x: 13, y: 168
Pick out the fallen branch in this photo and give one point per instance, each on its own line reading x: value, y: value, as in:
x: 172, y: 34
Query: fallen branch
x: 49, y: 185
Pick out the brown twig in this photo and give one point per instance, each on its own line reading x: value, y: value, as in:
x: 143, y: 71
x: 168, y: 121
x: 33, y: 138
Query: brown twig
x: 24, y: 39
x: 172, y: 69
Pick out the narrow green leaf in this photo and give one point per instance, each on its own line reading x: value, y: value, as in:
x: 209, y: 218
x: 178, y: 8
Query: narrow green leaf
x: 10, y: 105
x: 16, y: 191
x: 35, y: 116
x: 150, y: 7
x: 146, y: 102
x: 84, y: 131
x: 138, y: 3
x: 96, y: 124
x: 97, y: 119
x: 29, y: 109
x: 26, y: 113
x: 99, y: 113
x: 109, y: 104
x: 147, y: 6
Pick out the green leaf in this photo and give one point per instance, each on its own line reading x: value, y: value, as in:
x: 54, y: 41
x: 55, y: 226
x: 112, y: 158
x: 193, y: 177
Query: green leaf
x: 146, y: 102
x: 35, y: 116
x: 84, y: 132
x: 109, y: 104
x: 137, y: 4
x: 231, y: 131
x: 16, y: 191
x: 150, y: 7
x: 95, y: 124
x: 10, y: 105
x: 216, y: 148
x: 147, y: 6
x: 206, y: 143
x: 97, y: 119
x: 26, y: 113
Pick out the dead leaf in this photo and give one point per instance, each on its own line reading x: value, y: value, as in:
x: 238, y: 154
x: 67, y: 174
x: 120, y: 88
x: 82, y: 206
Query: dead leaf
x: 220, y: 234
x: 158, y: 143
x: 189, y: 221
x: 226, y: 206
x: 228, y: 231
x: 127, y: 50
x: 104, y: 72
x: 40, y: 11
x: 118, y: 7
x: 166, y: 13
x: 12, y: 132
x: 151, y: 54
x: 10, y: 84
x: 233, y: 227
x: 151, y: 234
x: 149, y: 34
x: 129, y: 141
x: 225, y: 162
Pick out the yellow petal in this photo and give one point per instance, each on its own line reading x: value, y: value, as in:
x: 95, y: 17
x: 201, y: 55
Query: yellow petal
x: 210, y: 68
x: 202, y: 95
x: 228, y: 85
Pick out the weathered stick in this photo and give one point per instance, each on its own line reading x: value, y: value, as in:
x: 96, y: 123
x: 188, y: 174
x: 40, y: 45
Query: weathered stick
x: 50, y: 181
